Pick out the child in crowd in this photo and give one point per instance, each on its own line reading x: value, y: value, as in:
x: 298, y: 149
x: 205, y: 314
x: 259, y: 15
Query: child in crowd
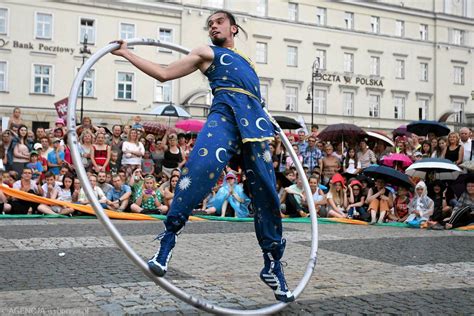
x: 148, y: 165
x: 35, y: 165
x: 420, y: 208
x: 137, y: 123
x: 400, y: 206
x: 114, y: 163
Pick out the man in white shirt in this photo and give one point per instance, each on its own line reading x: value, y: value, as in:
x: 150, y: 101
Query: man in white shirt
x: 466, y: 142
x: 98, y: 193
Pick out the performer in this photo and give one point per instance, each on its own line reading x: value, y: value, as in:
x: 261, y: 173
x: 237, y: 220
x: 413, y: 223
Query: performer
x: 237, y: 124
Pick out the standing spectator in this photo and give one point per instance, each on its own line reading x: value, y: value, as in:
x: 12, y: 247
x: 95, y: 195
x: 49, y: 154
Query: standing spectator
x: 314, y: 130
x: 26, y: 184
x: 85, y: 148
x: 289, y: 160
x: 86, y: 124
x: 174, y: 156
x: 47, y: 147
x: 133, y: 152
x: 39, y: 133
x: 102, y: 182
x: 15, y: 120
x: 137, y: 123
x: 466, y: 142
x: 114, y: 163
x: 280, y: 154
x: 434, y: 146
x: 421, y: 207
x: 158, y: 155
x: 100, y: 155
x: 55, y: 157
x: 455, y: 151
x: 119, y: 195
x: 116, y: 141
x: 380, y: 201
x: 21, y: 151
x: 148, y: 165
x: 365, y: 155
x: 4, y: 146
x: 312, y: 155
x: 440, y: 150
x: 302, y: 143
x: 330, y: 163
x: 352, y: 165
x: 41, y: 157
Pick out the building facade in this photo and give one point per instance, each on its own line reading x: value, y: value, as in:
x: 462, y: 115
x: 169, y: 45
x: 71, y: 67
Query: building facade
x: 375, y: 64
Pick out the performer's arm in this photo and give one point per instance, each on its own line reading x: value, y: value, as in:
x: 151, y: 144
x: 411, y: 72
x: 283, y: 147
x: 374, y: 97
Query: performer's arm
x: 199, y: 58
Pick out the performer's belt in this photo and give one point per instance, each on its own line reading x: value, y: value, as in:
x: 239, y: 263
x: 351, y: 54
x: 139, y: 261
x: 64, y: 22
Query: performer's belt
x: 238, y: 90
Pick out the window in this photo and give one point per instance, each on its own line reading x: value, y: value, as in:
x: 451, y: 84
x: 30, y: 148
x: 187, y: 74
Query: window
x: 423, y: 71
x: 400, y: 69
x: 349, y: 20
x: 89, y: 84
x: 3, y: 21
x: 261, y: 53
x: 320, y: 16
x: 42, y: 79
x: 423, y: 32
x: 423, y: 109
x: 291, y: 99
x: 125, y: 85
x: 262, y: 6
x: 374, y: 105
x: 320, y: 97
x: 399, y: 28
x: 166, y: 36
x: 163, y: 91
x: 87, y: 28
x: 457, y: 37
x: 348, y: 106
x: 348, y: 62
x: 458, y: 108
x: 321, y: 54
x: 3, y: 76
x: 458, y: 75
x: 292, y: 56
x: 399, y: 108
x: 293, y: 11
x: 44, y: 26
x: 374, y: 66
x: 264, y: 92
x: 375, y: 24
x: 127, y: 31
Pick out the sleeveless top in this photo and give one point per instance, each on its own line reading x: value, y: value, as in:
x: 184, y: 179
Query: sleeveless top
x: 172, y: 160
x: 101, y: 156
x: 452, y: 155
x: 236, y: 87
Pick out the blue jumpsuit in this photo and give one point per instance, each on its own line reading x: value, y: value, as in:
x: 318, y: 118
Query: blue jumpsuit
x: 236, y: 125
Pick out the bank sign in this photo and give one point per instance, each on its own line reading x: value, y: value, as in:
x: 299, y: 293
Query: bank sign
x: 36, y: 47
x: 346, y: 79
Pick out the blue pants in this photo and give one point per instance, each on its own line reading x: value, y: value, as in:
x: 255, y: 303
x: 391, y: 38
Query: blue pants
x: 217, y: 143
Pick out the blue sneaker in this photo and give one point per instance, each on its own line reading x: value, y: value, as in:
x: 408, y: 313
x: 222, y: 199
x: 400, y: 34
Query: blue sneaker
x: 159, y: 263
x: 273, y: 276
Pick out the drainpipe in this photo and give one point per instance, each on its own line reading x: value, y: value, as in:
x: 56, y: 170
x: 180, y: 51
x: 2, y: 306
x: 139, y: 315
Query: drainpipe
x: 435, y: 63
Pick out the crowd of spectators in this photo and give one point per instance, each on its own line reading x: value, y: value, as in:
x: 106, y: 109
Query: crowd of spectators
x: 134, y: 171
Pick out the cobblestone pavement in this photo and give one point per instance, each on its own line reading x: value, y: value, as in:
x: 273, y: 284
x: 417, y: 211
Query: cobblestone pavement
x: 71, y: 267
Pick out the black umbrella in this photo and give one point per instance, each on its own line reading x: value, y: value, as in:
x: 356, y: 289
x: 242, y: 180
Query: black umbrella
x: 170, y: 110
x: 401, y: 131
x: 424, y: 127
x: 389, y: 175
x: 287, y: 122
x: 342, y: 132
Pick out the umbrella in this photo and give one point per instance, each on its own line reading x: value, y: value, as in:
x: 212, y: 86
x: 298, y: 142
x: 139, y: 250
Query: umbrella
x: 374, y: 136
x: 392, y: 158
x: 401, y: 131
x: 153, y: 127
x: 468, y: 165
x: 459, y: 186
x: 190, y: 125
x: 170, y: 110
x: 443, y: 169
x: 424, y: 127
x: 389, y: 175
x: 339, y: 132
x: 287, y: 122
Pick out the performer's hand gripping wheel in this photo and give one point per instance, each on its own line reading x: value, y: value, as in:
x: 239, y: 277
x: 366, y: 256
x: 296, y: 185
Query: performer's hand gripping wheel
x: 115, y: 234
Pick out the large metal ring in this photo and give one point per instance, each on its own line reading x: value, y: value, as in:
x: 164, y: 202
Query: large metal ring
x: 115, y: 234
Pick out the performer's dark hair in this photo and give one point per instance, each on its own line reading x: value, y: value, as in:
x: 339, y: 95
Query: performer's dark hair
x: 232, y: 20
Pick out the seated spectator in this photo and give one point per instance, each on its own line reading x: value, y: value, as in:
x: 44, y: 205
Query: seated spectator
x: 166, y: 183
x: 35, y: 165
x: 208, y: 205
x: 26, y: 184
x: 294, y: 197
x: 55, y: 157
x: 421, y: 207
x: 118, y: 196
x: 400, y: 206
x: 76, y: 189
x: 168, y: 193
x: 319, y: 198
x: 4, y: 206
x: 62, y: 192
x: 463, y: 212
x: 337, y: 197
x: 426, y: 150
x: 356, y: 208
x: 380, y: 201
x: 441, y: 208
x: 82, y: 199
x: 102, y: 182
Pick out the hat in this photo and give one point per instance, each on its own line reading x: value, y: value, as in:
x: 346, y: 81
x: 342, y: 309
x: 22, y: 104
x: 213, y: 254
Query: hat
x: 33, y: 152
x: 59, y: 121
x: 338, y: 178
x: 57, y: 139
x: 355, y: 182
x: 230, y: 175
x: 37, y: 146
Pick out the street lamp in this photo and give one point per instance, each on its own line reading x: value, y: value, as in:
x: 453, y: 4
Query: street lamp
x: 85, y: 52
x: 310, y: 97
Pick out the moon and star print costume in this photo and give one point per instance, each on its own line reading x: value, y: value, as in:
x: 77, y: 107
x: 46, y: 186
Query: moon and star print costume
x: 236, y: 125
